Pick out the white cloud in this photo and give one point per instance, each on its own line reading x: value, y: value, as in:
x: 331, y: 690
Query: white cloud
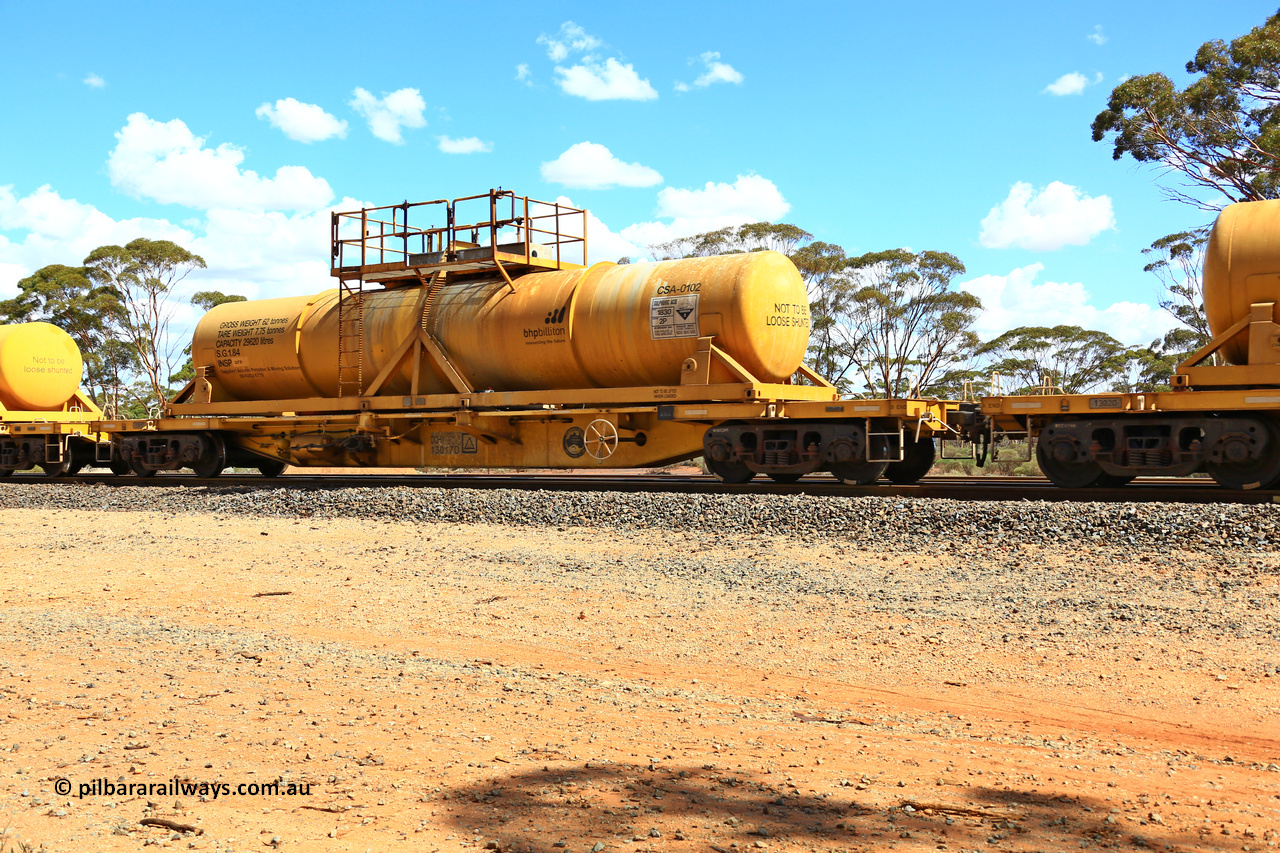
x: 466, y: 145
x: 262, y: 254
x: 1097, y: 36
x: 302, y: 122
x: 717, y: 71
x: 1060, y: 215
x: 591, y: 77
x: 166, y: 162
x: 62, y: 231
x: 93, y: 81
x: 388, y: 114
x: 1016, y: 299
x: 603, y: 244
x: 523, y: 74
x: 253, y: 253
x: 588, y: 165
x: 10, y: 274
x: 607, y: 81
x: 1067, y: 84
x: 261, y: 238
x: 750, y: 198
x: 571, y: 39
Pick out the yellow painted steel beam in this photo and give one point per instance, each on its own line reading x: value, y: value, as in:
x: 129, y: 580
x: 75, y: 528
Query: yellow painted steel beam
x: 484, y: 399
x: 78, y: 427
x: 1208, y: 402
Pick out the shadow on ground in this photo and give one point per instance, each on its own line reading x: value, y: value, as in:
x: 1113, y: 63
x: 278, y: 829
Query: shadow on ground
x: 572, y: 809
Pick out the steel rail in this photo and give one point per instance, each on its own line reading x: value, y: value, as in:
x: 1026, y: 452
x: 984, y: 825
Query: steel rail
x: 995, y: 488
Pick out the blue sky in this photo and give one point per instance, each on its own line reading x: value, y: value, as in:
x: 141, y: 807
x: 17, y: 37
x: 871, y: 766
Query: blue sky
x: 235, y: 128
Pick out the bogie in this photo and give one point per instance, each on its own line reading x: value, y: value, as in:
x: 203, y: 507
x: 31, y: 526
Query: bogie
x: 855, y: 451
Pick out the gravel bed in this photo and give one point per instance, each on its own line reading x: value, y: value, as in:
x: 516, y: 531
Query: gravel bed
x: 880, y: 522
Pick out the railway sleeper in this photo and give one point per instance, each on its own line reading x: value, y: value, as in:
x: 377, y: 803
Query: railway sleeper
x: 1239, y: 451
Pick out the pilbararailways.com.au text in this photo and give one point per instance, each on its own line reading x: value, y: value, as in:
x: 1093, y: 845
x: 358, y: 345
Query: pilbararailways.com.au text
x: 175, y: 787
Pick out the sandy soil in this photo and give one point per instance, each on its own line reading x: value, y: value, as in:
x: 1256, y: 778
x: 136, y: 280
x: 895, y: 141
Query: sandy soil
x: 447, y: 687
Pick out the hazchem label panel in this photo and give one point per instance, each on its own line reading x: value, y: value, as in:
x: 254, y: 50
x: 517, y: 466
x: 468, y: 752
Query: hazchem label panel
x: 673, y: 316
x: 452, y: 443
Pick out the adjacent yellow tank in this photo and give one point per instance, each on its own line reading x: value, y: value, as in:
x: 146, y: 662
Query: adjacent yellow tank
x: 606, y: 326
x: 1241, y: 267
x: 40, y: 367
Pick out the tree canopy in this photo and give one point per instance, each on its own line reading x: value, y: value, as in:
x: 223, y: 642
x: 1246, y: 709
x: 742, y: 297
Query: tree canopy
x: 1221, y: 133
x: 92, y: 315
x: 208, y: 299
x: 205, y: 299
x: 912, y: 329
x: 1059, y: 359
x: 143, y: 273
x: 886, y: 322
x: 752, y: 237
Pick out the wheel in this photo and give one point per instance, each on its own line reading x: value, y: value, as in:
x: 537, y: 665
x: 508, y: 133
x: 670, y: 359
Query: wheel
x: 858, y: 473
x: 73, y: 468
x: 272, y: 469
x: 601, y: 439
x: 730, y: 472
x: 785, y: 478
x: 917, y: 459
x: 6, y: 472
x: 1067, y: 475
x: 1249, y: 473
x: 139, y: 470
x: 213, y: 460
x: 55, y: 469
x: 118, y: 466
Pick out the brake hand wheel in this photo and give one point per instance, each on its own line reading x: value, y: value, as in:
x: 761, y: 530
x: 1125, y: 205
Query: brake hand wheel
x: 601, y: 439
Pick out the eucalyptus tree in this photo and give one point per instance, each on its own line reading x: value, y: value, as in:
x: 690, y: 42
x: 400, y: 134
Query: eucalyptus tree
x: 205, y: 299
x: 91, y: 314
x: 144, y: 274
x: 1060, y: 359
x: 912, y: 327
x: 1220, y: 134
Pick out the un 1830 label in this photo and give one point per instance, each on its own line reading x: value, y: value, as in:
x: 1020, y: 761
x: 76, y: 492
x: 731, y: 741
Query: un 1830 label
x: 452, y: 443
x: 673, y: 317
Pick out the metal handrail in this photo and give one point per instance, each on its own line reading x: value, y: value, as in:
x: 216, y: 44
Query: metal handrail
x: 379, y: 235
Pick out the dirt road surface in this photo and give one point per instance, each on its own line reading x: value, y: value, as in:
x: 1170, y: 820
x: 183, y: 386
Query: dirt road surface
x: 437, y: 687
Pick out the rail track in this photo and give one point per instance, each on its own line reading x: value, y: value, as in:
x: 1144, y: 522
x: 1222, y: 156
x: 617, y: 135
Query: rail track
x: 1145, y: 490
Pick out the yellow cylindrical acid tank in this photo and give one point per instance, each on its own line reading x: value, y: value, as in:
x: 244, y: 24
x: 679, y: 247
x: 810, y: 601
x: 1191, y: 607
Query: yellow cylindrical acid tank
x: 40, y: 367
x: 604, y: 326
x: 1241, y: 267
